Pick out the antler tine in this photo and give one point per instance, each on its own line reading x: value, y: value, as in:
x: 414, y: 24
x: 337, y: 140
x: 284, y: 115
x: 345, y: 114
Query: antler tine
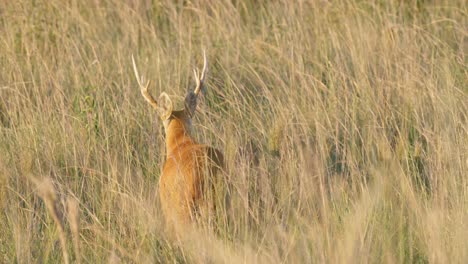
x: 137, y: 75
x: 144, y: 88
x: 205, y: 66
x: 200, y: 79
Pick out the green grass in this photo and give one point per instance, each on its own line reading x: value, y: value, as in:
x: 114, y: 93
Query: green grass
x: 344, y: 126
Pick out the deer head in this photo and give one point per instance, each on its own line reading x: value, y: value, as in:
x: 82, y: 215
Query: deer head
x: 164, y: 105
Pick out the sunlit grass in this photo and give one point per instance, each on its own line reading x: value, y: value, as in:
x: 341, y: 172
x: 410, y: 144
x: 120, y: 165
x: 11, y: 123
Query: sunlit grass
x: 343, y: 124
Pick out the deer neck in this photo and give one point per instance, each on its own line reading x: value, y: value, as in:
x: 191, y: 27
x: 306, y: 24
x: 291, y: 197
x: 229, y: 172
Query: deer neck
x: 177, y: 136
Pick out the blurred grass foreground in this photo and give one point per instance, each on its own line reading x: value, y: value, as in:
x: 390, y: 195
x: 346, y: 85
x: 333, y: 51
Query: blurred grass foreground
x: 343, y: 124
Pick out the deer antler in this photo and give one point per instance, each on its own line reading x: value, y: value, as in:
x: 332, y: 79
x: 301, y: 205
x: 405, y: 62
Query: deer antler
x: 144, y: 88
x: 199, y: 79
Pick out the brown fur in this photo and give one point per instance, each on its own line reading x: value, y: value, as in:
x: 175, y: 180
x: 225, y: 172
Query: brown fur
x: 187, y: 175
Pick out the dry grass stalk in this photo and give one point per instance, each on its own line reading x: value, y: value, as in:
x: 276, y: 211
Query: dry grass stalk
x: 74, y: 220
x: 46, y: 191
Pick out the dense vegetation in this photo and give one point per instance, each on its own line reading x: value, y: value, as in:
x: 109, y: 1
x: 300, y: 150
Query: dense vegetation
x: 344, y: 126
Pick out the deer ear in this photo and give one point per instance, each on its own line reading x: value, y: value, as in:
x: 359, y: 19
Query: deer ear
x: 164, y: 106
x: 191, y: 103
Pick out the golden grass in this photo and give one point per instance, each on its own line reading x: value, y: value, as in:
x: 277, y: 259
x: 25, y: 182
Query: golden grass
x: 344, y: 126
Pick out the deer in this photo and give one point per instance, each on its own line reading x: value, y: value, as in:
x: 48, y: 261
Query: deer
x: 190, y: 168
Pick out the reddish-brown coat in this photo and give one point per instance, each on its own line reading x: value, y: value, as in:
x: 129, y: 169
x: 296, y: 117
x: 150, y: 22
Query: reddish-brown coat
x: 187, y: 174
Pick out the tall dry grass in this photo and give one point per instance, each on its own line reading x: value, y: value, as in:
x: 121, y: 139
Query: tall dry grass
x: 343, y: 123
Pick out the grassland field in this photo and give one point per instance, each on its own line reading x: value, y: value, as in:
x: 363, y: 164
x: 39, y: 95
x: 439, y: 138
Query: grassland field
x: 344, y: 126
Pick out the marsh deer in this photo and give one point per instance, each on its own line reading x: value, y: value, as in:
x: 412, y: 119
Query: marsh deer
x: 190, y: 168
